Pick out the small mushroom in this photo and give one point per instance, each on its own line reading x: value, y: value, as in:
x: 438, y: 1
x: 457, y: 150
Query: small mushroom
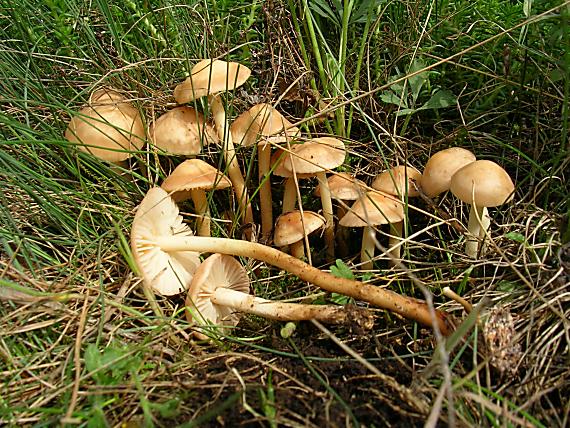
x: 441, y: 166
x: 372, y: 209
x: 292, y: 227
x: 481, y: 184
x: 157, y: 229
x: 192, y: 178
x: 220, y: 289
x: 211, y: 77
x: 399, y: 181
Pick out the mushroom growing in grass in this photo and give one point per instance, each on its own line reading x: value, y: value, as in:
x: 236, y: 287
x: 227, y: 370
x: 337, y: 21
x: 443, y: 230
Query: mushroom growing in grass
x: 370, y: 210
x: 314, y: 158
x: 220, y: 291
x: 191, y: 179
x: 210, y: 78
x: 481, y: 184
x: 441, y: 166
x: 400, y: 181
x: 182, y: 131
x: 291, y: 229
x: 264, y: 125
x: 157, y: 230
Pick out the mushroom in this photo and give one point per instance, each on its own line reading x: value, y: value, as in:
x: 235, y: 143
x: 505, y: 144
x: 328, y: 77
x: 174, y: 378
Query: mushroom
x: 165, y: 272
x: 372, y: 209
x: 210, y: 77
x: 343, y: 187
x: 157, y: 230
x: 314, y: 158
x: 220, y: 289
x: 265, y: 125
x: 482, y: 184
x: 399, y: 181
x: 192, y: 178
x: 292, y: 227
x: 439, y: 169
x: 182, y: 131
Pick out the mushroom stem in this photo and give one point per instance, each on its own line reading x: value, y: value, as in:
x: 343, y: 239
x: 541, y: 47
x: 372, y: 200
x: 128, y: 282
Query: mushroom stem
x: 475, y: 230
x: 247, y: 303
x: 485, y: 234
x: 265, y: 200
x: 368, y: 247
x: 341, y: 233
x: 229, y: 153
x: 289, y: 196
x: 201, y: 207
x: 396, y: 232
x: 297, y: 249
x: 406, y: 306
x: 326, y: 203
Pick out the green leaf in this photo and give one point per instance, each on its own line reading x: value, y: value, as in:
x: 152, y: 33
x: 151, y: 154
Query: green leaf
x: 441, y: 99
x: 340, y: 299
x: 391, y: 98
x: 341, y: 270
x: 417, y: 82
x: 515, y: 236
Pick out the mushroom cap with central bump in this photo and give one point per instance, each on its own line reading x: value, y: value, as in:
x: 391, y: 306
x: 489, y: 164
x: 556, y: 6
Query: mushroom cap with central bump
x: 289, y: 227
x: 218, y: 270
x: 373, y: 208
x: 344, y: 187
x: 182, y: 131
x: 440, y: 168
x: 393, y: 181
x: 316, y: 155
x: 210, y: 77
x: 194, y: 174
x: 108, y: 131
x: 167, y: 273
x: 262, y: 120
x: 484, y: 183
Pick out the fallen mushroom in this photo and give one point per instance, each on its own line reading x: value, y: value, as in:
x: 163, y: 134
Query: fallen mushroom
x: 220, y: 289
x: 149, y: 238
x: 211, y: 77
x: 481, y: 184
x: 191, y: 179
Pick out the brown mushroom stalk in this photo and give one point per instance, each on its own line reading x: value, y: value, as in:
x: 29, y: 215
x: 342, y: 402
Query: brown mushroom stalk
x: 147, y: 240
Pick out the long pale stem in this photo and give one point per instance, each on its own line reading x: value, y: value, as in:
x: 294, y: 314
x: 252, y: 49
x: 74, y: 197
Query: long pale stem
x: 406, y: 306
x: 396, y: 232
x: 202, y: 211
x: 474, y: 227
x: 368, y: 247
x: 265, y: 200
x: 280, y: 311
x: 326, y: 203
x: 289, y: 196
x: 229, y: 153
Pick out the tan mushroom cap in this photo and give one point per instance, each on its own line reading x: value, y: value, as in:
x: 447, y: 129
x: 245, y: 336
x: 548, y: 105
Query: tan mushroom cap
x: 218, y: 270
x: 316, y: 155
x: 440, y: 168
x: 105, y: 96
x: 210, y: 77
x: 486, y: 181
x: 109, y: 131
x: 194, y: 174
x: 262, y: 120
x: 182, y: 131
x: 167, y: 273
x: 278, y: 163
x: 290, y: 228
x: 344, y: 187
x: 393, y: 181
x: 373, y: 208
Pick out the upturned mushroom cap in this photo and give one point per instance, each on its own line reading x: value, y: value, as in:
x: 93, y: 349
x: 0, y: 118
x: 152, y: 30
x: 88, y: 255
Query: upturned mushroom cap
x: 109, y: 131
x: 439, y: 169
x: 167, y: 273
x: 316, y: 155
x: 393, y: 181
x: 194, y: 174
x: 373, y: 208
x: 218, y: 270
x: 262, y: 120
x: 484, y: 183
x: 210, y: 77
x: 182, y: 131
x: 289, y: 227
x: 344, y: 187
